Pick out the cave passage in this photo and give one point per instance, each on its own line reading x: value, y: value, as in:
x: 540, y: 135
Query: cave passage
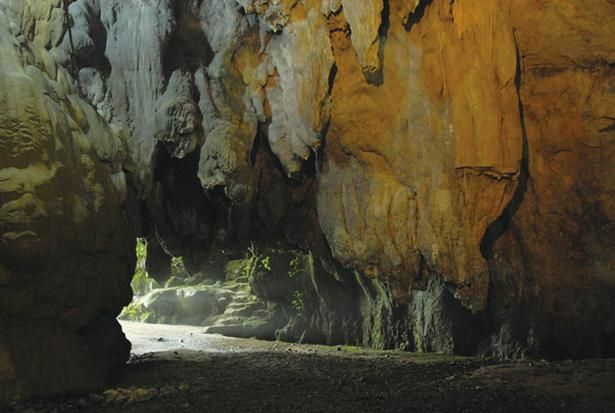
x: 241, y: 293
x: 176, y: 309
x: 187, y: 368
x: 316, y: 205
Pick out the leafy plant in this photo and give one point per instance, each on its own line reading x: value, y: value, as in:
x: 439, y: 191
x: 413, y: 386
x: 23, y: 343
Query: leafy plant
x: 258, y: 261
x: 297, y: 301
x: 265, y: 263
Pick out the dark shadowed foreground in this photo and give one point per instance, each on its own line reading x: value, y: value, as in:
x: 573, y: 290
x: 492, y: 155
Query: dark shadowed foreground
x: 177, y: 369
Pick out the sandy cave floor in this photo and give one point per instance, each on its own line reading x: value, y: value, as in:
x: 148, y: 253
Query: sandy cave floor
x: 179, y: 369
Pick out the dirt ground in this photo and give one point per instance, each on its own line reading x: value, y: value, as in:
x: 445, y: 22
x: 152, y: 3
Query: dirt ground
x: 178, y: 369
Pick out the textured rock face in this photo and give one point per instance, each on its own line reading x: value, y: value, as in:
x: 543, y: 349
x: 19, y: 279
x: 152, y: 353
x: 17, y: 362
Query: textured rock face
x: 449, y: 162
x: 65, y: 253
x: 556, y: 261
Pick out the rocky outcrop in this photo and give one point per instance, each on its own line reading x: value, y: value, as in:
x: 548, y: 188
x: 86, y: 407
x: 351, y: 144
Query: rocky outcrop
x: 449, y: 164
x: 65, y: 252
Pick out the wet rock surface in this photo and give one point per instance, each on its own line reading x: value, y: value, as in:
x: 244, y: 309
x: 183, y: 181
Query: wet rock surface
x: 249, y: 375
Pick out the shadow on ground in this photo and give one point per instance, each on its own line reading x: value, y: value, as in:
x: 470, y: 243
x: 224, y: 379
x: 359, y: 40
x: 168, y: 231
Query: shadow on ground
x: 182, y: 370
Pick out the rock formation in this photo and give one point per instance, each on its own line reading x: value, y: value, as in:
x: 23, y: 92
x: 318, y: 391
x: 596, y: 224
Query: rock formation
x: 449, y: 164
x: 65, y: 251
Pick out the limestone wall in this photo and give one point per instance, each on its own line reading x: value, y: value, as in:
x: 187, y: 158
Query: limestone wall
x: 65, y: 252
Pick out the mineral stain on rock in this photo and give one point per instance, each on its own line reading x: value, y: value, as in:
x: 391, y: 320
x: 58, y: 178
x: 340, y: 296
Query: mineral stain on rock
x: 445, y: 168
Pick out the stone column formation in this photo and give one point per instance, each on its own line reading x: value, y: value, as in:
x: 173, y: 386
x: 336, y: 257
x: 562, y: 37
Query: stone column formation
x: 451, y: 162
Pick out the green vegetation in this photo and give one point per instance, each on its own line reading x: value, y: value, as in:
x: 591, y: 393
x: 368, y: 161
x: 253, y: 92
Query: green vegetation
x: 269, y: 269
x: 136, y: 312
x: 141, y: 283
x: 265, y: 263
x: 259, y: 262
x: 297, y: 301
x: 238, y: 269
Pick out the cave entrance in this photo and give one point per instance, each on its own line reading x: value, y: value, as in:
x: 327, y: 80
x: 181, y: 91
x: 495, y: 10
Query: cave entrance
x: 171, y: 308
x: 243, y: 294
